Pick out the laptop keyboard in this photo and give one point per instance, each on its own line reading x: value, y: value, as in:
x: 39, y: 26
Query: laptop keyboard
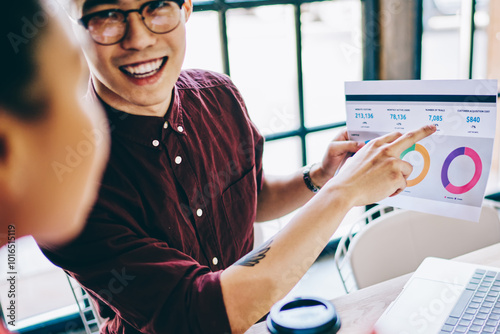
x: 478, y: 308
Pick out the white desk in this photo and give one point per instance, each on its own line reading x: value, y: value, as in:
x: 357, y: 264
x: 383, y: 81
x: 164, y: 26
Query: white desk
x: 359, y: 310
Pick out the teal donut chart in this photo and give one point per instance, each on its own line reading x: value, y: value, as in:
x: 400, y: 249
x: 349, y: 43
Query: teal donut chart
x: 446, y: 166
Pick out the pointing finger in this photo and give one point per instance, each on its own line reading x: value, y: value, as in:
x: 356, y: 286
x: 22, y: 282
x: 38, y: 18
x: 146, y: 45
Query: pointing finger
x: 411, y: 138
x: 388, y: 138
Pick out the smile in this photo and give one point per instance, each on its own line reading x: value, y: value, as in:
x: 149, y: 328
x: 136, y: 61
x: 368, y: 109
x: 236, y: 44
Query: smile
x: 144, y: 70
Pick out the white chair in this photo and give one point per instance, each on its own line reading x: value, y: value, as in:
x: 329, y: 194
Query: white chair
x: 88, y: 312
x: 397, y: 242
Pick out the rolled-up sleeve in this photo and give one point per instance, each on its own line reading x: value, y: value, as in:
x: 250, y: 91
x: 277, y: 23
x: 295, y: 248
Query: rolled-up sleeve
x: 141, y: 283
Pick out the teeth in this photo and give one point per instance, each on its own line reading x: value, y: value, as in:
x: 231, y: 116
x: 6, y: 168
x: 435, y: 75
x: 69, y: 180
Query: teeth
x: 145, y: 69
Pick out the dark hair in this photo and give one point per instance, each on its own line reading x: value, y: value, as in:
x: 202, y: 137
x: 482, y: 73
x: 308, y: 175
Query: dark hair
x: 22, y: 25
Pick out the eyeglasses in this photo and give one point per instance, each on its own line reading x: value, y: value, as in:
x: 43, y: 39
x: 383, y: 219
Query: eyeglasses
x: 110, y: 26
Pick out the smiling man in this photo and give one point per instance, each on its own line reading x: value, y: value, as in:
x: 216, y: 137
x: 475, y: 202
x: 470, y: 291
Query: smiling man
x: 168, y: 246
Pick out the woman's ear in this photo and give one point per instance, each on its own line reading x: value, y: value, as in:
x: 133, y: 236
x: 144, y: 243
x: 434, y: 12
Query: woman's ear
x: 188, y: 9
x: 7, y: 174
x: 13, y: 153
x: 6, y: 182
x: 4, y: 137
x: 15, y: 165
x: 3, y: 148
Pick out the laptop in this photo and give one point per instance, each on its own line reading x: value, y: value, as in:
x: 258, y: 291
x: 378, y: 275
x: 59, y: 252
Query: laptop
x: 445, y: 296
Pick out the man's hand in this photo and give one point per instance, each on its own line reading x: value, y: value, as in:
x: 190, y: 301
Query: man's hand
x: 335, y: 153
x: 377, y: 171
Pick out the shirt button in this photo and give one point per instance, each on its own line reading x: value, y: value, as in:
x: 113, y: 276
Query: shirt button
x: 156, y: 143
x: 180, y: 128
x: 199, y: 212
x: 165, y: 125
x: 178, y: 160
x: 215, y: 261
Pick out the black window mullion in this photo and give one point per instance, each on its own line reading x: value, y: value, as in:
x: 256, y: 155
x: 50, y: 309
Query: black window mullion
x: 295, y: 133
x: 472, y: 33
x: 300, y: 82
x: 419, y: 31
x: 223, y: 36
x: 371, y: 39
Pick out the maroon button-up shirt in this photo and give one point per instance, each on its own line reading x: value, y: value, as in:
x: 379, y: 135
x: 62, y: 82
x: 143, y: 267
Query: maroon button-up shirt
x: 177, y: 205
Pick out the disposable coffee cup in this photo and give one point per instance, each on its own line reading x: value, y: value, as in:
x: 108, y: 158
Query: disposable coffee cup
x: 303, y: 316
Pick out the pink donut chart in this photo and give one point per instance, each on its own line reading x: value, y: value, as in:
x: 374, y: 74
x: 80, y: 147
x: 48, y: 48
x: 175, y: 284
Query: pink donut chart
x: 446, y: 166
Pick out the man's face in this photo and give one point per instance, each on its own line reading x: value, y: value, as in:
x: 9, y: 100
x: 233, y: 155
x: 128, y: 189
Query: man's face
x: 141, y: 70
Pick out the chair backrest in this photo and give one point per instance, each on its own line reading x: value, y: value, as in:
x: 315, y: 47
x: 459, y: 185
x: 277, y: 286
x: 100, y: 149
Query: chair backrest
x: 88, y: 312
x: 397, y: 242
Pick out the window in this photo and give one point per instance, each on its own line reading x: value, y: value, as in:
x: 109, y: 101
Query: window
x: 442, y: 40
x: 289, y: 59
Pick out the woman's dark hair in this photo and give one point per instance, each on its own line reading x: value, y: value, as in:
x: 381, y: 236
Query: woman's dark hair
x: 22, y: 25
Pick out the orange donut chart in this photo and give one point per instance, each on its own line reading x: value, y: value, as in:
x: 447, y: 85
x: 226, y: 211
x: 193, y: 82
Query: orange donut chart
x: 427, y: 164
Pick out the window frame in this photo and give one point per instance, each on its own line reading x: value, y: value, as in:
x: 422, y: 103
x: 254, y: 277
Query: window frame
x: 371, y: 52
x: 222, y: 6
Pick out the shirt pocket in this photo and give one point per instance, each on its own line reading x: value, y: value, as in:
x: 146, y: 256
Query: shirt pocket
x: 239, y: 202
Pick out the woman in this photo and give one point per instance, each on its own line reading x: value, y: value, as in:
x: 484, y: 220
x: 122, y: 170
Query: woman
x: 53, y: 146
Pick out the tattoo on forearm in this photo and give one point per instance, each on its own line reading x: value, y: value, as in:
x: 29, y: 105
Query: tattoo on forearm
x: 255, y: 256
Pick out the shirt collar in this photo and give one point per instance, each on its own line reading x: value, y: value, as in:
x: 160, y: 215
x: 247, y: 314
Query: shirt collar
x: 143, y: 129
x: 175, y: 113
